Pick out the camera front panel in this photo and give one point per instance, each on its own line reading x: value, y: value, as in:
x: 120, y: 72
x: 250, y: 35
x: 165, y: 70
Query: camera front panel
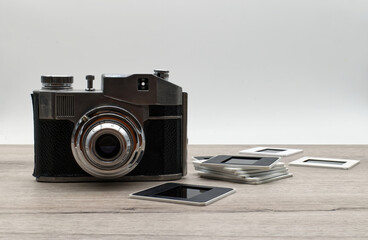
x: 164, y: 154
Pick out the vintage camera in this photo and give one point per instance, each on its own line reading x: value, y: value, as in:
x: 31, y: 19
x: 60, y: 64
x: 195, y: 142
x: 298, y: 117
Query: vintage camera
x: 133, y: 129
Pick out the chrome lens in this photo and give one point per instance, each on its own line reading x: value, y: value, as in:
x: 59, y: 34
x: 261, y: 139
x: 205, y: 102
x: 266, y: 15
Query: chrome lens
x: 108, y: 142
x: 107, y: 146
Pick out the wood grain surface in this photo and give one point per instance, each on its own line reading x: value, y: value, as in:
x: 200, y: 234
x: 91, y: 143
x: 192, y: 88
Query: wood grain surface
x: 316, y: 203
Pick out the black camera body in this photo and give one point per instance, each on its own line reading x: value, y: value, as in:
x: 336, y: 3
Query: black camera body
x: 133, y: 129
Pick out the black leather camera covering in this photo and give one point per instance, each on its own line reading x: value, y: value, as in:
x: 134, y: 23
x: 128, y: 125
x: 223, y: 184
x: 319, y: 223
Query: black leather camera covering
x: 162, y: 154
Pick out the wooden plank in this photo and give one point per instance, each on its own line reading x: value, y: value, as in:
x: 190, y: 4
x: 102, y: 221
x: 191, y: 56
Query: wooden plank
x: 315, y: 203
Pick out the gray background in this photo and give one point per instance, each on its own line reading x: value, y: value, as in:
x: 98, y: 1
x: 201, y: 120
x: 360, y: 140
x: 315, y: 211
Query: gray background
x: 256, y: 71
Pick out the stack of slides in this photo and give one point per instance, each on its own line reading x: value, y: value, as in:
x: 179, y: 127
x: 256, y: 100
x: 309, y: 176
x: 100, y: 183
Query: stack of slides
x: 241, y: 169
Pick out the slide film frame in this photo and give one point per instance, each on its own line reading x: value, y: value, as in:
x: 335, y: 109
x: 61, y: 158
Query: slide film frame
x: 261, y: 151
x: 342, y: 163
x: 209, y: 196
x: 260, y: 162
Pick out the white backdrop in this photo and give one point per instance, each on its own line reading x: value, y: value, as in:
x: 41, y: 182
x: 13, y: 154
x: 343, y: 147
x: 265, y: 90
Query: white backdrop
x: 257, y: 71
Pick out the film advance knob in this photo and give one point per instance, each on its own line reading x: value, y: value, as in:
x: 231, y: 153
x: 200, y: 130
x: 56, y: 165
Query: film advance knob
x: 56, y: 82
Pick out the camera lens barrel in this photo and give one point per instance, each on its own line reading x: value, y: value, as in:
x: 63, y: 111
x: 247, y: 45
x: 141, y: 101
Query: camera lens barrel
x: 108, y: 142
x: 108, y: 145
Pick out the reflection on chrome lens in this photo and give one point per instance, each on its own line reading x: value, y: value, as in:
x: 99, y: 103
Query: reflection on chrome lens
x: 107, y: 146
x: 108, y: 142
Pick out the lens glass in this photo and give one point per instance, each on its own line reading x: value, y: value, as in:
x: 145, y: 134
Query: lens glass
x: 107, y: 146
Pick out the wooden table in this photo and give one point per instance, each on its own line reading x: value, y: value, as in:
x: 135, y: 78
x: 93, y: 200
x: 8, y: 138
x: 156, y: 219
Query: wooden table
x: 314, y: 204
